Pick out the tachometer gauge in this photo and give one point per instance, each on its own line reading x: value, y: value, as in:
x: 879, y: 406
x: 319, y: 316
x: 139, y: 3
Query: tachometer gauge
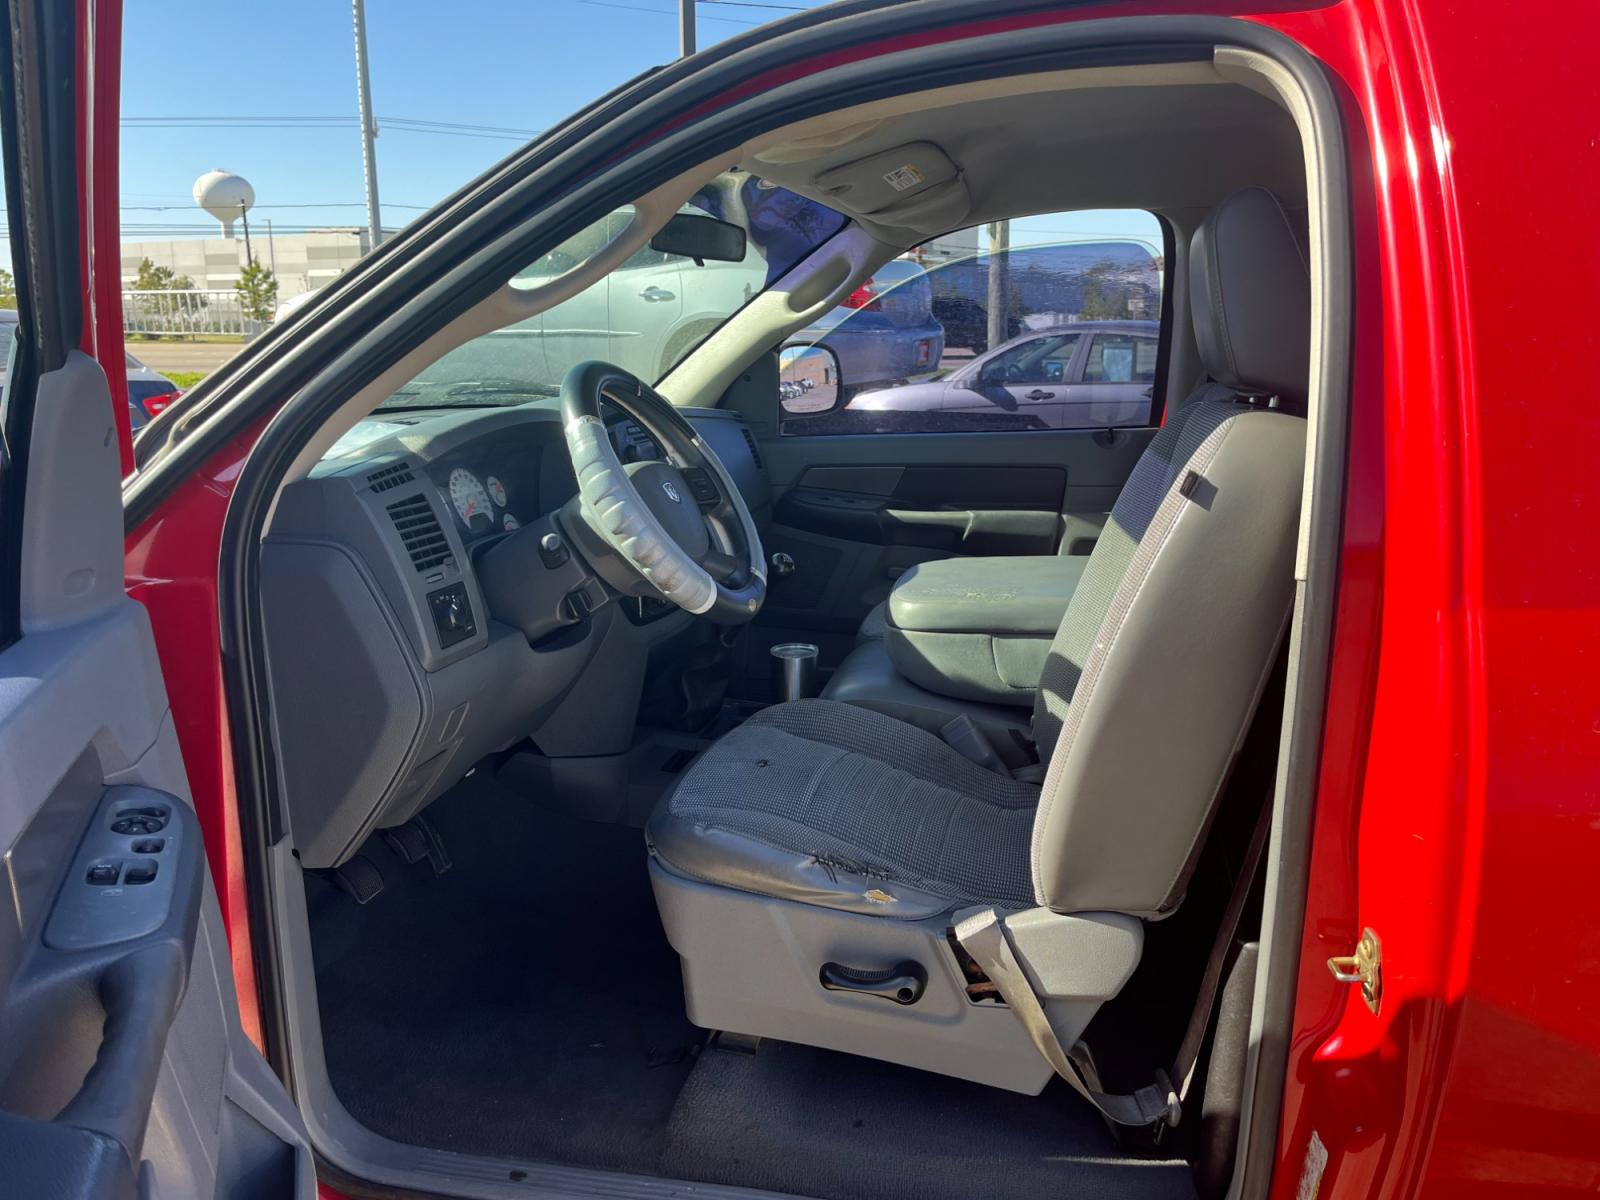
x: 468, y: 495
x: 497, y: 490
x: 508, y: 523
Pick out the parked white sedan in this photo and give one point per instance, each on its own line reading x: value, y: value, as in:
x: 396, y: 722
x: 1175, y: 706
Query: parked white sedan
x: 1090, y: 374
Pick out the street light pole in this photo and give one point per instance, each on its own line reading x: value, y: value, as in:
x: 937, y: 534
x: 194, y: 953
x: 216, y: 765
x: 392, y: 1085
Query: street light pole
x: 369, y: 127
x: 685, y: 28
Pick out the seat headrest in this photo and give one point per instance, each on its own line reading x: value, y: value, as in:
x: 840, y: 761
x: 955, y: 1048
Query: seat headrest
x: 1250, y: 293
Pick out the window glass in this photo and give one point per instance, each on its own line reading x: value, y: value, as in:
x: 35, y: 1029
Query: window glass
x: 1041, y: 359
x: 1121, y: 358
x: 644, y: 316
x: 1047, y: 322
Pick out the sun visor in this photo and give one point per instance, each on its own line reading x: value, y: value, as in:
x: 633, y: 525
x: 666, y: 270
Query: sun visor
x: 913, y: 186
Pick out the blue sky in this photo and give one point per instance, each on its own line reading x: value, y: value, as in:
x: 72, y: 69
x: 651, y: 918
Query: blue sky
x: 517, y: 66
x: 268, y: 90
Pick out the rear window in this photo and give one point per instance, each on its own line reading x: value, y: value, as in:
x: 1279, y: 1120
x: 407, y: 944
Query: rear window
x: 1046, y: 322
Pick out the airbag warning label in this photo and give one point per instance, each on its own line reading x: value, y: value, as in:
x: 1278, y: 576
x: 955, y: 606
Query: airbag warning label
x: 904, y: 177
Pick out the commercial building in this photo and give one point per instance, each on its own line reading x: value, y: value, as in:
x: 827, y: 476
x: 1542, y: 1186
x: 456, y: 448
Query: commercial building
x: 302, y: 262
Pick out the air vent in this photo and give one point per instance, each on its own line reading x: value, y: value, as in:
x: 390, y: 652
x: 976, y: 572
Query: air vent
x: 750, y: 440
x: 418, y: 528
x: 390, y: 477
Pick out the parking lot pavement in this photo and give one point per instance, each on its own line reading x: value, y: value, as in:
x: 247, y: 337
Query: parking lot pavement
x: 184, y: 356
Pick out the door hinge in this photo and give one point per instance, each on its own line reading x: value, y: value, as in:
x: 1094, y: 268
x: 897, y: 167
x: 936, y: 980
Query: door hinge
x: 1365, y: 967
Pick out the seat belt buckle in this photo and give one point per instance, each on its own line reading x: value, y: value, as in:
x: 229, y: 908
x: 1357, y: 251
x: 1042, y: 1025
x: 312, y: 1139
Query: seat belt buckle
x: 1174, y: 1104
x: 963, y: 736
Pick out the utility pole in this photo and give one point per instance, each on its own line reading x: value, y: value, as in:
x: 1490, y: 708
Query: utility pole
x: 244, y: 215
x: 999, y: 282
x: 369, y: 127
x: 685, y: 28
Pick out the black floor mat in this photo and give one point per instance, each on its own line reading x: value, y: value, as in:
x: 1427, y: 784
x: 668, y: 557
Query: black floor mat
x: 795, y: 1119
x: 524, y: 1004
x: 527, y: 1005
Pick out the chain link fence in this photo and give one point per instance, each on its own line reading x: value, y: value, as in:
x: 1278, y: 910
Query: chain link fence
x: 186, y: 312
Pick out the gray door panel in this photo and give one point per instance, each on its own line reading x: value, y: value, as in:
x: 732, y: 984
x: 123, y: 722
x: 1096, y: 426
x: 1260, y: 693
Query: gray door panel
x: 856, y: 512
x: 123, y: 1067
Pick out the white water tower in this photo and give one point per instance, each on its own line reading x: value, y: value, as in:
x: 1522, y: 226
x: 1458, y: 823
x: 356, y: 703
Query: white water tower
x: 226, y: 196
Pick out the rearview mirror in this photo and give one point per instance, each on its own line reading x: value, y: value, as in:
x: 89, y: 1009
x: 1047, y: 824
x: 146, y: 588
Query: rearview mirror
x: 808, y: 380
x: 700, y: 238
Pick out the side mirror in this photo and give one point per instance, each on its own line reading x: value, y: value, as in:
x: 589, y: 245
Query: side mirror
x: 700, y: 238
x: 808, y: 380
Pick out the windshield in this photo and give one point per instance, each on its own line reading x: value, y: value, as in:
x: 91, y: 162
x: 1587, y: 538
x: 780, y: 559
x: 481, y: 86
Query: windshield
x: 644, y: 316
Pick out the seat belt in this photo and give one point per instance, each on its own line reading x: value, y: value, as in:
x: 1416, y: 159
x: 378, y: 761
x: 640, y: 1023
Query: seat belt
x: 961, y: 734
x: 981, y: 933
x: 983, y: 936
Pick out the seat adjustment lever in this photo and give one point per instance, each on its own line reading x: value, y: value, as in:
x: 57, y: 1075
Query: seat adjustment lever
x: 903, y: 983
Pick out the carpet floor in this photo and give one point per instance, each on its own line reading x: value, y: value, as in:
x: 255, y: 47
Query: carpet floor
x: 526, y: 1004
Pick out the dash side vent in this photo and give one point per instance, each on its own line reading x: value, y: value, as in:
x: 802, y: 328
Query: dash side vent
x: 420, y: 532
x: 390, y: 477
x: 750, y: 440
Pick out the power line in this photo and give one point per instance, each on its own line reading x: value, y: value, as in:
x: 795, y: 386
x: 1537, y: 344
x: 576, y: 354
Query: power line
x: 664, y: 12
x: 753, y: 4
x: 458, y: 125
x: 189, y: 207
x: 400, y: 124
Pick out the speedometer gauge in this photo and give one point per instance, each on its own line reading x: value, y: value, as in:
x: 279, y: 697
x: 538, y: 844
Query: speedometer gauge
x: 469, y: 496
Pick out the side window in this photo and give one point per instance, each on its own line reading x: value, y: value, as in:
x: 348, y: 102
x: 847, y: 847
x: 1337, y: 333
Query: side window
x: 1121, y: 358
x: 1000, y: 327
x: 1033, y: 360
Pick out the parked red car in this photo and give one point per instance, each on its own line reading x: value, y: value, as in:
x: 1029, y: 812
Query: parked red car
x: 393, y: 793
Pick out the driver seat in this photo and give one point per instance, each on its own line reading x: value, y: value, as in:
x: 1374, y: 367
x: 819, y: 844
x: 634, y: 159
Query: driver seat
x: 810, y: 866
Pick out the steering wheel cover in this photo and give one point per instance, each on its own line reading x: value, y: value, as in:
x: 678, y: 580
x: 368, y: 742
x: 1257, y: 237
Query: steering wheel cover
x: 617, y: 512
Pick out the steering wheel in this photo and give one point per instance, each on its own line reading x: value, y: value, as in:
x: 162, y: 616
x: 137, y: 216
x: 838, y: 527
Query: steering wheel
x: 680, y: 525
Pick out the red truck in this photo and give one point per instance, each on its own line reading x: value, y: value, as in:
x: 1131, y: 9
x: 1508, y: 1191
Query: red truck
x: 393, y: 793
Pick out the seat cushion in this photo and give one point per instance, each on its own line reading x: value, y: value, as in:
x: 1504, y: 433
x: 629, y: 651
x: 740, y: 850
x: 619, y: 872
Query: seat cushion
x: 843, y: 807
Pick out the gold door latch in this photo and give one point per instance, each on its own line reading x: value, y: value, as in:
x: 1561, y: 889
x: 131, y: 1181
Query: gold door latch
x: 1365, y: 967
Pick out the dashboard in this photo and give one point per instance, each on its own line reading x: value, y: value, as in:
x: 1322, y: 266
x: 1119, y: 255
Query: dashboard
x: 377, y: 624
x: 499, y: 483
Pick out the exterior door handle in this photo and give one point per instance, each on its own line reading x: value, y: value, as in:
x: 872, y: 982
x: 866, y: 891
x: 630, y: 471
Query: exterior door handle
x: 653, y: 294
x: 1036, y: 394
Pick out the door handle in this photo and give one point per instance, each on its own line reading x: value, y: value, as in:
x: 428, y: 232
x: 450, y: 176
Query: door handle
x: 652, y: 294
x: 1037, y: 394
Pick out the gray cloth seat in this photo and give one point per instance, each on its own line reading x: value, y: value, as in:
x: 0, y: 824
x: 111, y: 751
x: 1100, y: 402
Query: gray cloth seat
x: 822, y: 802
x: 814, y: 820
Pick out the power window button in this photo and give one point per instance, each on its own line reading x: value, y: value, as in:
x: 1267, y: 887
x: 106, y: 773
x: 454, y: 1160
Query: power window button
x: 103, y: 875
x: 139, y: 872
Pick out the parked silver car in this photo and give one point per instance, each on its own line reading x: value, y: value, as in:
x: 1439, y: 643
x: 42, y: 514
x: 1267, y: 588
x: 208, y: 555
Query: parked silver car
x: 148, y: 391
x: 1087, y: 374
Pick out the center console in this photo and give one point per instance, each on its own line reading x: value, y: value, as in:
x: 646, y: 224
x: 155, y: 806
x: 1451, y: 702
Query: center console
x: 980, y: 628
x: 964, y: 637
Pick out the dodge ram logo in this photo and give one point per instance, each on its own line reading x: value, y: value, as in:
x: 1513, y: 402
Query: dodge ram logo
x: 671, y: 490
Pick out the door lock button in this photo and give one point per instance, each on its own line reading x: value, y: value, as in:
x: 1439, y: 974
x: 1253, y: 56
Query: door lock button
x: 103, y: 875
